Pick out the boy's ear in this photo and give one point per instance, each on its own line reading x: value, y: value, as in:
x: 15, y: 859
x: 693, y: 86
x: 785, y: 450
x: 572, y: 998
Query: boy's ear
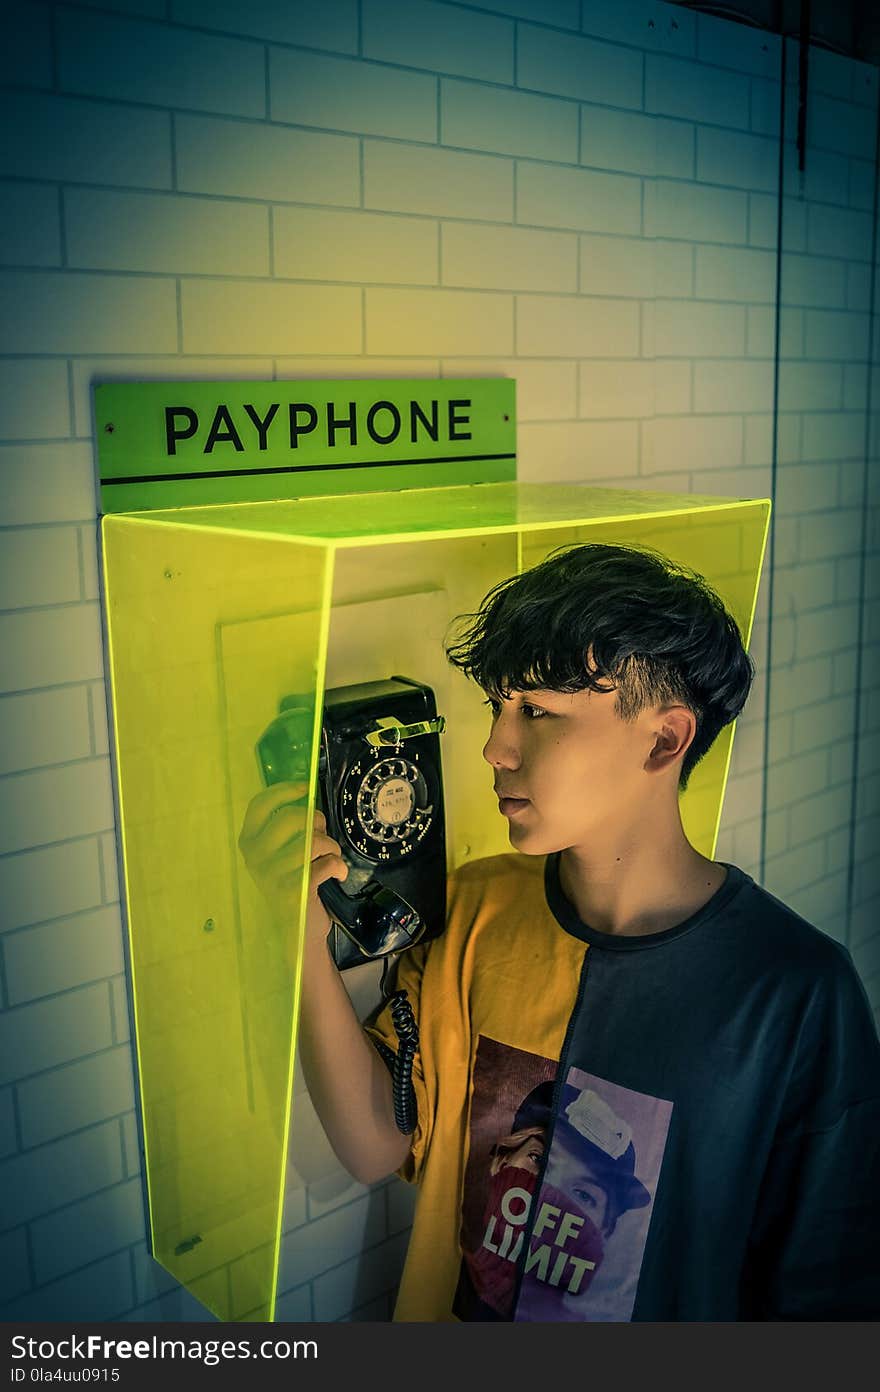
x: 674, y: 728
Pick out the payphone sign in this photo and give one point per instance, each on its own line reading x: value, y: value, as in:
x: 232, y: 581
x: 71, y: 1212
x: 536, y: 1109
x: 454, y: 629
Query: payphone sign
x: 177, y: 444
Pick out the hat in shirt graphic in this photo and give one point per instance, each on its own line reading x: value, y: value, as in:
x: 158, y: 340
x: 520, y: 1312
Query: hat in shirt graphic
x: 588, y: 1128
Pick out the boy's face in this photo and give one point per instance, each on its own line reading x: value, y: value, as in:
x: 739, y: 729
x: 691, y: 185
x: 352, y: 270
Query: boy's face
x: 572, y: 1174
x: 567, y: 768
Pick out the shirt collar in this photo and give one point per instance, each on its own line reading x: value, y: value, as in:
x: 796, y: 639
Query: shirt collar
x: 566, y: 915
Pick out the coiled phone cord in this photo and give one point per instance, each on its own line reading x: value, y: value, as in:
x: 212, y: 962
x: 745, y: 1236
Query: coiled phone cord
x: 400, y: 1064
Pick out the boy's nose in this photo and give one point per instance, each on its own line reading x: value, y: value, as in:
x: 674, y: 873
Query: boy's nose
x: 500, y: 752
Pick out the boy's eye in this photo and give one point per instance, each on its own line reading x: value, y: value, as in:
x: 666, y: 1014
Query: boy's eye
x: 534, y: 712
x: 529, y: 711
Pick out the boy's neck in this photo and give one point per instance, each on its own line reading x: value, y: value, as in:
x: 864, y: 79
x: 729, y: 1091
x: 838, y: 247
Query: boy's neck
x: 643, y: 888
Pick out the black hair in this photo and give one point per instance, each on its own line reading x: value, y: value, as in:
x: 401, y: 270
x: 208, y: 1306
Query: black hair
x: 596, y: 613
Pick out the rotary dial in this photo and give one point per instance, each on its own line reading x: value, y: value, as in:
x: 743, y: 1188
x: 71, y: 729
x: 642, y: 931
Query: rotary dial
x: 385, y: 806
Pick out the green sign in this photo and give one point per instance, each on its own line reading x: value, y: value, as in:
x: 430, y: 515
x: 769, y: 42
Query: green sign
x: 179, y: 444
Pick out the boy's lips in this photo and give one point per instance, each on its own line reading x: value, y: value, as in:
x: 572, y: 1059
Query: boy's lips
x: 508, y: 805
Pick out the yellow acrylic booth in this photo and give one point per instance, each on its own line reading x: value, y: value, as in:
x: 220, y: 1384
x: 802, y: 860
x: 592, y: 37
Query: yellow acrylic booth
x: 216, y: 612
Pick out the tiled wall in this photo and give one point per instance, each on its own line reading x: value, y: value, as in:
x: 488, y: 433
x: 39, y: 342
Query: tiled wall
x: 820, y: 832
x: 583, y: 195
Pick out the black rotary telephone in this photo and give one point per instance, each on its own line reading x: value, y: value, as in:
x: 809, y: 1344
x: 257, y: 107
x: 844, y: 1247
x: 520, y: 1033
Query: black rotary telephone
x: 380, y: 788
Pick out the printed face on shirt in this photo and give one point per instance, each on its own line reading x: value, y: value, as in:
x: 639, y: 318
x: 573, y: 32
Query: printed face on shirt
x: 565, y: 765
x: 569, y: 1171
x: 572, y: 1175
x: 521, y: 1150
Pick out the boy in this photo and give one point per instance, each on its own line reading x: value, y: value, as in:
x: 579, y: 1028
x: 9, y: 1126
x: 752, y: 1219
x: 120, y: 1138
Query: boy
x: 664, y: 1009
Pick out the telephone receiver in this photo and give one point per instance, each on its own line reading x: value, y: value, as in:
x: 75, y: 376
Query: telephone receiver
x: 375, y: 919
x: 380, y: 789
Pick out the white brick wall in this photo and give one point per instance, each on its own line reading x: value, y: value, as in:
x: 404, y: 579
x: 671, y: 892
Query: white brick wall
x: 580, y: 193
x: 308, y: 89
x: 819, y: 697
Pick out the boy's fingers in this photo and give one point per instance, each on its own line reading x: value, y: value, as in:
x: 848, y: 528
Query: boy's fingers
x: 328, y: 867
x: 287, y: 826
x: 266, y: 803
x: 325, y: 845
x: 281, y: 845
x: 325, y: 850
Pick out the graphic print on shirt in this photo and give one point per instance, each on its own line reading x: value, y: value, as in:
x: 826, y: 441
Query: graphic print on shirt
x: 595, y: 1202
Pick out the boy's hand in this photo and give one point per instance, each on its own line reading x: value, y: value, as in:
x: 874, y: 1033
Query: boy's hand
x: 272, y: 841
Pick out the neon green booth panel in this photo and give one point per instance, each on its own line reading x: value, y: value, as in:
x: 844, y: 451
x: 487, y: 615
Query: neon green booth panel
x: 216, y: 613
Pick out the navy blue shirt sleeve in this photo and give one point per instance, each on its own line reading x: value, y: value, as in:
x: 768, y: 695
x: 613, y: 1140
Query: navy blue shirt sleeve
x: 813, y: 1248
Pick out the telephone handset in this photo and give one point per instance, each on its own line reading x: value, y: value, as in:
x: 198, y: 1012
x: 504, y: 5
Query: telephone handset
x: 380, y: 788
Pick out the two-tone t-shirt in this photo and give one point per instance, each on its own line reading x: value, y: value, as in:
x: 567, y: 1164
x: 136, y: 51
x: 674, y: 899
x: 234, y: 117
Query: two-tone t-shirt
x: 682, y: 1125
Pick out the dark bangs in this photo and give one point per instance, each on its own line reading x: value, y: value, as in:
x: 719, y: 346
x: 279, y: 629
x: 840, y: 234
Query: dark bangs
x: 521, y: 640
